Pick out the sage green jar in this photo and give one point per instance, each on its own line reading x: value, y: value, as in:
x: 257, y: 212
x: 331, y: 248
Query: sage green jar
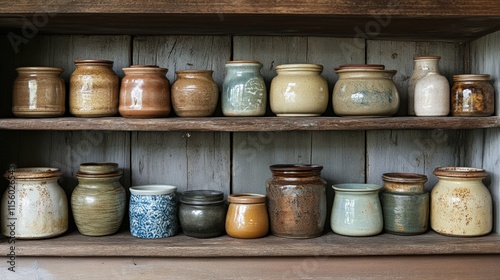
x: 244, y: 91
x: 99, y: 200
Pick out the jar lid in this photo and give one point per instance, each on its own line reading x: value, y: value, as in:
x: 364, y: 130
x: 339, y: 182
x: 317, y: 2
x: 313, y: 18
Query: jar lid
x: 404, y: 177
x: 145, y: 69
x: 460, y: 172
x: 247, y: 198
x: 300, y: 67
x: 356, y: 187
x: 40, y: 69
x: 97, y: 168
x: 471, y: 77
x: 32, y: 173
x: 296, y: 169
x: 420, y: 57
x: 361, y: 66
x: 200, y: 71
x: 153, y: 189
x: 93, y: 61
x: 202, y: 197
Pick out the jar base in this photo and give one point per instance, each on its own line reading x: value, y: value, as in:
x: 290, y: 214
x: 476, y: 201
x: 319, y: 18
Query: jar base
x: 37, y: 114
x: 298, y: 115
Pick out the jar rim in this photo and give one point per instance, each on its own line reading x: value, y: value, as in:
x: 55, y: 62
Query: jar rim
x: 144, y: 66
x: 144, y: 69
x: 404, y: 177
x: 243, y: 61
x: 471, y: 77
x: 361, y: 66
x: 195, y: 71
x: 360, y: 70
x: 422, y: 57
x: 99, y: 176
x: 246, y: 198
x: 294, y: 168
x: 98, y: 168
x: 460, y: 172
x: 153, y: 189
x: 93, y: 61
x: 202, y: 197
x: 356, y: 187
x: 300, y: 67
x: 33, y: 173
x: 40, y: 69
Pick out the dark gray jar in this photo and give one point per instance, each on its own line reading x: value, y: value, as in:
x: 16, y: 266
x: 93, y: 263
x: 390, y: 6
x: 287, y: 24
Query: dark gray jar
x: 202, y: 213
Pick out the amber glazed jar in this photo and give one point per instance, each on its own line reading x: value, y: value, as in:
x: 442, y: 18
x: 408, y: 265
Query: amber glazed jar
x: 461, y: 205
x: 194, y: 93
x: 472, y: 96
x: 93, y: 89
x: 144, y: 92
x: 247, y: 216
x: 39, y: 92
x: 296, y: 200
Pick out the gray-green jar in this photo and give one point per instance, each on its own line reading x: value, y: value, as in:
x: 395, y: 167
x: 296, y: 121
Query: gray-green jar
x: 244, y: 91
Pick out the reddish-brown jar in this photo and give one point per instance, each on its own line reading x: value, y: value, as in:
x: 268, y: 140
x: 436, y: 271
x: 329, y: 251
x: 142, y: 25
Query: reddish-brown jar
x: 144, y: 92
x: 296, y: 200
x: 472, y: 96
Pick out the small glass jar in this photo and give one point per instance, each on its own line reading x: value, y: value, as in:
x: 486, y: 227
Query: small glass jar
x: 461, y: 205
x: 144, y: 92
x: 247, y: 216
x: 472, y: 96
x: 298, y: 90
x: 39, y: 92
x: 296, y: 200
x: 202, y: 213
x: 93, y: 89
x: 99, y: 200
x: 35, y: 203
x: 194, y: 93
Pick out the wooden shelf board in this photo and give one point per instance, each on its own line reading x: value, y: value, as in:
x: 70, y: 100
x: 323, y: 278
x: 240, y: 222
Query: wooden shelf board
x: 229, y: 124
x: 124, y: 245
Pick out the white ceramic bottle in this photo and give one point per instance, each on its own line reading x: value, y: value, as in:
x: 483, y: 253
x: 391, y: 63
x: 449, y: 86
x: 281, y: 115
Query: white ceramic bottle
x: 432, y: 96
x: 422, y: 65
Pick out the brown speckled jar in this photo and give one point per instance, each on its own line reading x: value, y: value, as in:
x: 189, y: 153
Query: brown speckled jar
x: 94, y: 89
x: 461, y: 205
x: 296, y: 200
x: 472, y: 96
x: 194, y: 93
x: 39, y: 92
x: 144, y: 92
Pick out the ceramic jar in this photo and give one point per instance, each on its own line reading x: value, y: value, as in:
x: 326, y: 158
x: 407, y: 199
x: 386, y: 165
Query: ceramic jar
x: 432, y: 96
x: 153, y: 211
x: 357, y: 210
x: 93, y: 89
x: 298, y: 90
x: 405, y: 203
x: 472, y: 96
x: 243, y: 91
x: 461, y: 205
x: 144, y: 92
x: 34, y: 206
x: 421, y: 66
x: 39, y: 92
x: 296, y: 200
x: 194, y: 93
x: 98, y: 201
x: 202, y: 213
x: 365, y: 91
x: 247, y: 216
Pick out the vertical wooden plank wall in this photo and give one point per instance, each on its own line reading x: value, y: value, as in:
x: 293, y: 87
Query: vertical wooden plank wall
x: 485, y: 59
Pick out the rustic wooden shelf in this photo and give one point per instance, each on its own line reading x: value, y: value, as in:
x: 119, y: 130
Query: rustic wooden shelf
x: 229, y: 124
x: 454, y: 21
x: 124, y: 245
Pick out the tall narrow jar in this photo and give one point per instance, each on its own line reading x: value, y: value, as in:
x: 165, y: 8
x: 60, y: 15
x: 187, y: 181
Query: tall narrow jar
x: 195, y: 93
x: 39, y: 92
x: 461, y: 205
x: 93, y: 89
x: 296, y: 200
x: 98, y: 201
x: 421, y: 66
x: 35, y: 203
x: 244, y: 91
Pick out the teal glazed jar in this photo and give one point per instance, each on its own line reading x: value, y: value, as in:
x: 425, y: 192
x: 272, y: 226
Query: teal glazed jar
x: 244, y: 91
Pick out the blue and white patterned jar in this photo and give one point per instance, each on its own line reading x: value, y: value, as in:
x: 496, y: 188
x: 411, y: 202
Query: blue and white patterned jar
x: 244, y: 91
x: 153, y: 211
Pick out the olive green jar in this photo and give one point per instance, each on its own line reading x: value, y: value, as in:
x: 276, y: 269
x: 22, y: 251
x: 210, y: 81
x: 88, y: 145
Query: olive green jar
x: 99, y: 200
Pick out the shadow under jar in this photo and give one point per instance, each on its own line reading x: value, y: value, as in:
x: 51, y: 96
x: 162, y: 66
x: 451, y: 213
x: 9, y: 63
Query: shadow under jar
x: 39, y: 92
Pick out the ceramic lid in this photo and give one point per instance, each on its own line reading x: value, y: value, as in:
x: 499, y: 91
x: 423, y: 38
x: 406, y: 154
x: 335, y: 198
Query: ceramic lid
x: 421, y: 57
x: 300, y: 67
x: 153, y: 189
x: 295, y: 169
x: 460, y: 172
x: 93, y: 61
x: 202, y: 197
x: 471, y: 77
x: 246, y: 198
x: 404, y: 177
x: 32, y: 173
x: 361, y: 66
x: 95, y: 168
x: 356, y: 187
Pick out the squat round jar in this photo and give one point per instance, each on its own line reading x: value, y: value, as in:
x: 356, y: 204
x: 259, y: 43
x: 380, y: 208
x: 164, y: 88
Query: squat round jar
x: 472, y: 96
x: 202, y: 213
x: 247, y: 216
x: 194, y: 93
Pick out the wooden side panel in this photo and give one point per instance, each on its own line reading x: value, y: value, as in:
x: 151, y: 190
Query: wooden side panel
x: 398, y: 55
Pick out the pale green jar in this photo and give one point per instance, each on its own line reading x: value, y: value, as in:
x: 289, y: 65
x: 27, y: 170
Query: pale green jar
x: 244, y: 91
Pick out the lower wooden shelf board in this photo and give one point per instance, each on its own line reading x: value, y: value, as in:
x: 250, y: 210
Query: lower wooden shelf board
x: 123, y: 244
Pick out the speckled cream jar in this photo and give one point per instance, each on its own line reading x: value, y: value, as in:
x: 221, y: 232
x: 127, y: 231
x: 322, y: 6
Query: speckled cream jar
x: 94, y: 89
x: 299, y: 90
x: 365, y: 91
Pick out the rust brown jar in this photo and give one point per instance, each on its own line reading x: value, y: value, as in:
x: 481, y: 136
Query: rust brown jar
x: 93, y: 89
x: 296, y: 200
x: 472, y: 96
x: 194, y: 93
x: 144, y: 92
